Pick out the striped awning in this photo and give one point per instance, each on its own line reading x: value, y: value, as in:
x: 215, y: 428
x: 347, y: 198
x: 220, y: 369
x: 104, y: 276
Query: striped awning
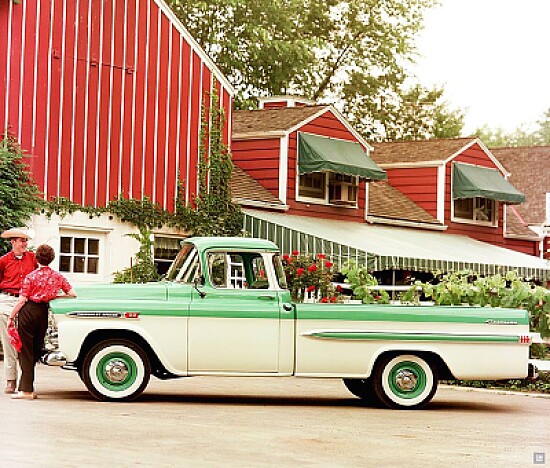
x: 389, y: 248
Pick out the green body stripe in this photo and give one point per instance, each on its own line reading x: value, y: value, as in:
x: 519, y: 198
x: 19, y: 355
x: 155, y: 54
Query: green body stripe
x: 376, y: 336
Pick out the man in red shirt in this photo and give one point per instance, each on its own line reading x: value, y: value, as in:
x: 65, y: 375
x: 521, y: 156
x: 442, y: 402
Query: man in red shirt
x: 14, y: 267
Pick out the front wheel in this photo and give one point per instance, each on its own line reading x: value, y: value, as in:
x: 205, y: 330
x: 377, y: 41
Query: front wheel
x: 405, y: 381
x: 116, y: 370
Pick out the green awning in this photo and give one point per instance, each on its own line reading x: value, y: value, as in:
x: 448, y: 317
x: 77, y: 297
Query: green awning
x: 475, y: 181
x: 381, y: 247
x: 318, y: 154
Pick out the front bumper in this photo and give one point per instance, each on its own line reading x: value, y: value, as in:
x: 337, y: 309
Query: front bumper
x: 54, y: 358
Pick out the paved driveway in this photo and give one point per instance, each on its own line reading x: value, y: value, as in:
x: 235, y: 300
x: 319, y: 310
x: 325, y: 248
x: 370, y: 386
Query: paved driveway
x: 206, y: 421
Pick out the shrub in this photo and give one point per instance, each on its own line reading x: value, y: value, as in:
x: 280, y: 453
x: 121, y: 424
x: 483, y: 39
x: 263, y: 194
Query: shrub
x: 309, y: 274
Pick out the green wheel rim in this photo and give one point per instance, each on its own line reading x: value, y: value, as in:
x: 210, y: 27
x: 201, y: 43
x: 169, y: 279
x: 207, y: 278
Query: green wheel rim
x: 410, y: 369
x: 119, y: 361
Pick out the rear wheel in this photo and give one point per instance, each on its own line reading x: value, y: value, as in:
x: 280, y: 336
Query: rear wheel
x: 116, y: 369
x: 361, y: 388
x: 405, y: 381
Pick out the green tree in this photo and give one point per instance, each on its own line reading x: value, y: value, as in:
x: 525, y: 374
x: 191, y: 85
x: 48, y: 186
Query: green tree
x: 354, y: 52
x: 521, y: 136
x: 19, y: 195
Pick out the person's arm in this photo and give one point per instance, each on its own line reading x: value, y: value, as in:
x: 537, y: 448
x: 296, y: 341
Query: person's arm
x: 16, y: 308
x: 70, y: 293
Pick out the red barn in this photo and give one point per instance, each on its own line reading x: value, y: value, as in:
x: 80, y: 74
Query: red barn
x: 106, y: 98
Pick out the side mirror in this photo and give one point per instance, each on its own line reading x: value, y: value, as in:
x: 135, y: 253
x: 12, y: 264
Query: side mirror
x: 199, y: 281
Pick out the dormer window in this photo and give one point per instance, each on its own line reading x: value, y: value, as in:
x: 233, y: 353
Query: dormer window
x: 478, y: 210
x: 329, y: 170
x: 476, y: 193
x: 328, y: 188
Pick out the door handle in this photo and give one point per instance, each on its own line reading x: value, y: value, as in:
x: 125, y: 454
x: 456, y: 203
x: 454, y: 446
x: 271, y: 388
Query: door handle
x: 288, y: 307
x: 267, y: 297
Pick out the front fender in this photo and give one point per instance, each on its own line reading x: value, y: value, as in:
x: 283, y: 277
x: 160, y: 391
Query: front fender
x: 166, y: 337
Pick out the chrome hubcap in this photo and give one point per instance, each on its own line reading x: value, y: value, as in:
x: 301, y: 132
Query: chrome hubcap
x: 116, y: 370
x: 405, y: 380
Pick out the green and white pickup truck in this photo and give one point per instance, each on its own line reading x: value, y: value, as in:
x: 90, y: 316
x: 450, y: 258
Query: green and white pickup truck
x: 224, y: 310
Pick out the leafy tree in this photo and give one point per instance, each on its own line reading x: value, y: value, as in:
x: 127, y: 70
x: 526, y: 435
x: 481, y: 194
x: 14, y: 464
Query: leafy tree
x: 521, y: 136
x: 352, y: 52
x: 19, y: 195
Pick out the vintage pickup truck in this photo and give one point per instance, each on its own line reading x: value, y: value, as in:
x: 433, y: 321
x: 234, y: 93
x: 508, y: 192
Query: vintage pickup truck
x: 224, y: 310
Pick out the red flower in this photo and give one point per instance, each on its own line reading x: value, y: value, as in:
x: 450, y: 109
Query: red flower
x: 310, y: 288
x: 321, y: 256
x: 286, y: 257
x: 312, y: 268
x: 300, y: 271
x: 324, y: 300
x: 339, y: 288
x: 295, y: 253
x: 333, y: 299
x: 328, y: 264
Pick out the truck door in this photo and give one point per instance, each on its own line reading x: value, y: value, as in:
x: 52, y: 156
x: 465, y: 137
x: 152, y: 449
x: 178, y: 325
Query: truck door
x: 234, y: 327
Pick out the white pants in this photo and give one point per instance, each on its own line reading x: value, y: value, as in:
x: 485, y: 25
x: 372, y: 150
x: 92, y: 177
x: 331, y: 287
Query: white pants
x: 10, y: 354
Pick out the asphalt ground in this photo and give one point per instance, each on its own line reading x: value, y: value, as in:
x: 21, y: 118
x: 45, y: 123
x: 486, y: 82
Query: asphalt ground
x: 264, y: 422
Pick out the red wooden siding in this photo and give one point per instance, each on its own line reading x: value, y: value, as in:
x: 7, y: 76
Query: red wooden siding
x: 419, y: 184
x: 523, y: 246
x: 327, y: 125
x: 494, y: 235
x: 260, y: 159
x: 105, y: 97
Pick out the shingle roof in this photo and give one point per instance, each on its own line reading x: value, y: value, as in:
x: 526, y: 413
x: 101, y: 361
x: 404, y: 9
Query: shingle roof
x: 248, y: 122
x: 516, y: 226
x: 386, y: 201
x: 417, y: 151
x: 244, y: 188
x: 529, y: 169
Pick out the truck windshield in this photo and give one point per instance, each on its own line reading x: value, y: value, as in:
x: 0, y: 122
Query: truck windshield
x: 186, y: 266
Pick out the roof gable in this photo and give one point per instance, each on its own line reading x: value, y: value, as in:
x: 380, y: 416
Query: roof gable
x: 278, y: 120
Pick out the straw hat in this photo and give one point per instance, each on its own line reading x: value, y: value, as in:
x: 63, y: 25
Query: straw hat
x: 17, y: 232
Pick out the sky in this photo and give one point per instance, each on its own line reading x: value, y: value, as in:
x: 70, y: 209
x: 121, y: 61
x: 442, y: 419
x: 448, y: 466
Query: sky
x: 492, y: 57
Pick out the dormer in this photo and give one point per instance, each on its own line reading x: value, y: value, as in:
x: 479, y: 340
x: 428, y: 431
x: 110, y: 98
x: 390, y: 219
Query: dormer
x: 276, y: 102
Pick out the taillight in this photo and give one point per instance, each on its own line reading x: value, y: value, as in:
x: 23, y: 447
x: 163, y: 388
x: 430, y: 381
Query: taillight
x: 525, y: 339
x: 131, y: 315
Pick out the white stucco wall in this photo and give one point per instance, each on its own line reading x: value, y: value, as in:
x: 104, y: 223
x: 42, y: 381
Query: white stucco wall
x: 115, y: 248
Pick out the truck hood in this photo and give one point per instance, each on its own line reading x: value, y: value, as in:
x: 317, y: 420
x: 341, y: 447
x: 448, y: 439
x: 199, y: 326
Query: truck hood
x: 111, y: 293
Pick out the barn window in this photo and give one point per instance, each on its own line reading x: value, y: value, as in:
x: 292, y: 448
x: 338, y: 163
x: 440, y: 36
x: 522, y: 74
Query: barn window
x: 79, y: 255
x: 166, y: 249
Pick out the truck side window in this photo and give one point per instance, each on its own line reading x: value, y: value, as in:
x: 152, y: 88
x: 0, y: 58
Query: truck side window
x: 226, y: 270
x: 279, y: 271
x: 259, y: 275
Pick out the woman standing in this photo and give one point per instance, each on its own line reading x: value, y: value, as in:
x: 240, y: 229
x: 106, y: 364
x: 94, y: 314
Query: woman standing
x: 39, y: 288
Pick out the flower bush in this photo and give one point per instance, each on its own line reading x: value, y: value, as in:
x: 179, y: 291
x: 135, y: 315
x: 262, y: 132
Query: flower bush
x: 311, y: 274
